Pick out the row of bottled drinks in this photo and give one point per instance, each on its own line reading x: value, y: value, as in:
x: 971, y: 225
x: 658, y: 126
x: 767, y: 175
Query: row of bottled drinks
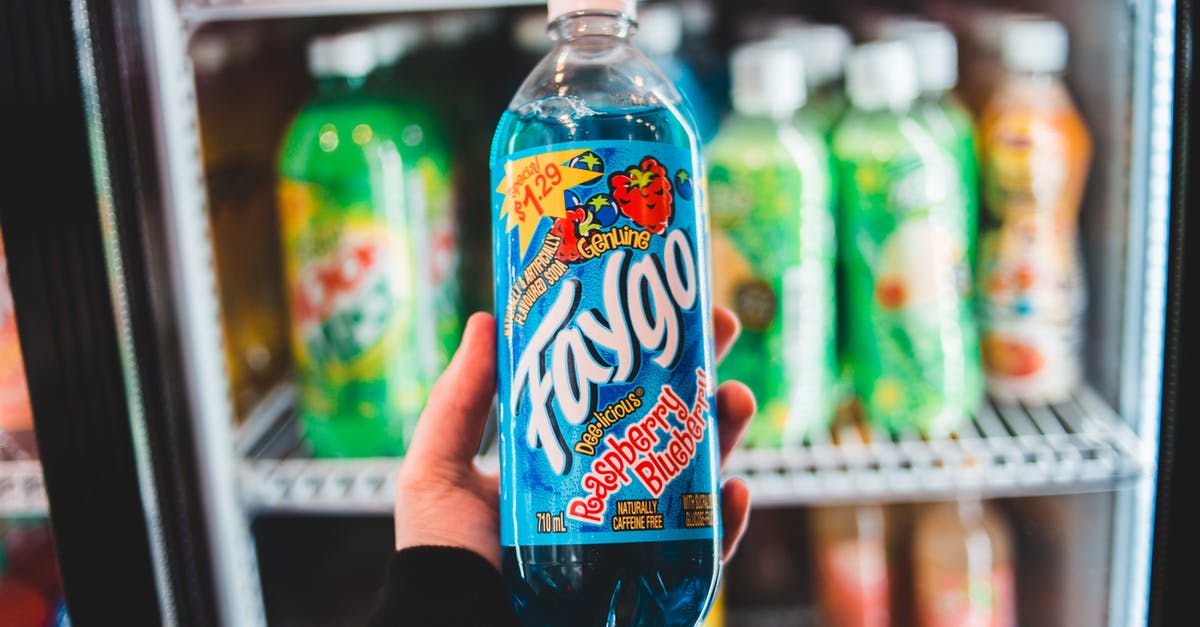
x: 888, y: 249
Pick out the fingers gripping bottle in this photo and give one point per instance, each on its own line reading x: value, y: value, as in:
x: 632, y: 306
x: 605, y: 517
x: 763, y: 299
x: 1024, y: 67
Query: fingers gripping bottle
x: 605, y: 371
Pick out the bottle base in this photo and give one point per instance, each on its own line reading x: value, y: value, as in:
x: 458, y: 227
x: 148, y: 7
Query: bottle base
x: 664, y: 584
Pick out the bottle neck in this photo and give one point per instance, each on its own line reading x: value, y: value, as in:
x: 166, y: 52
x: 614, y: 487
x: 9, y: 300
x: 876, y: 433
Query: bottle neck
x: 339, y: 86
x: 575, y: 26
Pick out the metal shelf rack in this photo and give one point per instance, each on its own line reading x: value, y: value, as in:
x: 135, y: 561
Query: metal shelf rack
x: 1006, y: 450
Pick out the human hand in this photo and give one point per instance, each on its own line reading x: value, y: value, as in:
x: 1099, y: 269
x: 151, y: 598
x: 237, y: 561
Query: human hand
x: 443, y: 499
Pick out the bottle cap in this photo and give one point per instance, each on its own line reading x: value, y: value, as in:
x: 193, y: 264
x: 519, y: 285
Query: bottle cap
x: 698, y: 16
x: 1034, y: 44
x: 881, y: 75
x: 934, y: 49
x: 559, y: 8
x: 529, y: 33
x: 768, y: 79
x: 393, y: 40
x: 823, y: 47
x: 350, y: 55
x: 659, y: 29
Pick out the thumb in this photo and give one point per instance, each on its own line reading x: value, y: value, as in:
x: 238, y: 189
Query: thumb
x: 452, y: 424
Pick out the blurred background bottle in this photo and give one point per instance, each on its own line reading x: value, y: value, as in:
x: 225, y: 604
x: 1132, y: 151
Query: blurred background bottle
x: 16, y: 415
x: 358, y: 254
x: 773, y: 244
x: 850, y: 551
x: 240, y: 143
x: 936, y: 53
x: 30, y: 589
x: 1036, y: 152
x: 963, y: 567
x: 911, y: 338
x: 659, y: 37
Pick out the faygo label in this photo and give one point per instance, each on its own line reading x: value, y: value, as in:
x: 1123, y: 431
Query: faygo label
x: 606, y: 387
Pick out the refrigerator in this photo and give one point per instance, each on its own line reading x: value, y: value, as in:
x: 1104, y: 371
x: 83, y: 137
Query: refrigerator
x: 170, y: 464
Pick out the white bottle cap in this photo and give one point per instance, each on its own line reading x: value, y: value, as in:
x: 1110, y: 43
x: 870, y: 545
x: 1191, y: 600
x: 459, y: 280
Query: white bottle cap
x: 881, y: 75
x: 529, y: 34
x: 393, y: 40
x: 659, y: 29
x: 1034, y: 44
x: 934, y: 49
x: 698, y: 16
x: 823, y: 47
x: 351, y: 55
x: 559, y: 8
x: 768, y: 79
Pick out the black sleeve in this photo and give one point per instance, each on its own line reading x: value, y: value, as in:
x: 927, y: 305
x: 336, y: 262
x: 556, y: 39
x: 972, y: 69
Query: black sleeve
x: 436, y: 586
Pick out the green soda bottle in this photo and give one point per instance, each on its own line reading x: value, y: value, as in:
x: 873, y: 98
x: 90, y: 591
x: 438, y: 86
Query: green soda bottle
x: 911, y: 336
x: 424, y: 147
x: 773, y: 244
x: 356, y: 260
x: 936, y: 53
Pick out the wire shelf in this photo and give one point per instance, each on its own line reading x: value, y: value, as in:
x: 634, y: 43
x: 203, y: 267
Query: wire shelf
x: 22, y: 492
x: 1006, y: 450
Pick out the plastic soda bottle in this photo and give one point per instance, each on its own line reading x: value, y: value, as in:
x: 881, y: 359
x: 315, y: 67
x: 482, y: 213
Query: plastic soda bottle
x: 357, y: 258
x: 944, y: 116
x: 1036, y: 153
x: 963, y: 573
x: 911, y: 340
x: 660, y: 37
x: 608, y: 452
x: 774, y: 245
x: 431, y: 172
x: 850, y: 547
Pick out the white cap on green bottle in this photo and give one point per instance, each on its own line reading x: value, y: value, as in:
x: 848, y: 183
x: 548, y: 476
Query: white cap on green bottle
x: 559, y: 8
x: 768, y: 79
x: 395, y: 39
x: 934, y: 49
x: 881, y: 75
x: 823, y: 47
x: 659, y: 29
x: 350, y: 55
x: 1034, y: 44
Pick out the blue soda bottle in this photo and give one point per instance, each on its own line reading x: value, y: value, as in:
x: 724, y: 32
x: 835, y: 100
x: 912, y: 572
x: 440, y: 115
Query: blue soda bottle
x: 608, y: 451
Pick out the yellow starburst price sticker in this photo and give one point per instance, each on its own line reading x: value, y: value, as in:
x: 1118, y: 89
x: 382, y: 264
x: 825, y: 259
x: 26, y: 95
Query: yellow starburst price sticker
x: 533, y: 189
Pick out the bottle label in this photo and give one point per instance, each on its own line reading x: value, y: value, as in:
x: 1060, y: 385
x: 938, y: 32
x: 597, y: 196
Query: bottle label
x: 606, y: 386
x: 773, y: 264
x: 1031, y: 272
x: 353, y: 291
x: 910, y: 327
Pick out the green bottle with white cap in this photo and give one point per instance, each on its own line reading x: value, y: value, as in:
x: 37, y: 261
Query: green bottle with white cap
x: 357, y: 249
x: 936, y: 53
x: 911, y: 340
x: 773, y: 245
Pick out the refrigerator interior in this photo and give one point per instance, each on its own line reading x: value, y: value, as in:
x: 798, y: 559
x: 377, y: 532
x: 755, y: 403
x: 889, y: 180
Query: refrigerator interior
x: 298, y: 541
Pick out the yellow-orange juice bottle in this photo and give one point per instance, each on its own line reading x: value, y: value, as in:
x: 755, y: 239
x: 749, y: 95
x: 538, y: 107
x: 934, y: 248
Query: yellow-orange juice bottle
x: 1036, y: 151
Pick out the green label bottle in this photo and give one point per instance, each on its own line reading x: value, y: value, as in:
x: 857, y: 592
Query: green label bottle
x: 911, y: 337
x: 359, y: 205
x: 773, y: 244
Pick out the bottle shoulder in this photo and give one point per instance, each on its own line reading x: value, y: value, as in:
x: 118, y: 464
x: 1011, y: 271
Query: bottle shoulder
x: 603, y: 72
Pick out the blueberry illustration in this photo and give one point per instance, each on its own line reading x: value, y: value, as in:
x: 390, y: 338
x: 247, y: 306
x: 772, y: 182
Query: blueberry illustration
x: 571, y: 200
x: 588, y: 161
x: 603, y: 211
x: 683, y: 184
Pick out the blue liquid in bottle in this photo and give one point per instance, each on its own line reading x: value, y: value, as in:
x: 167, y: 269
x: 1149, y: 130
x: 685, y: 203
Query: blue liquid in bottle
x: 606, y: 370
